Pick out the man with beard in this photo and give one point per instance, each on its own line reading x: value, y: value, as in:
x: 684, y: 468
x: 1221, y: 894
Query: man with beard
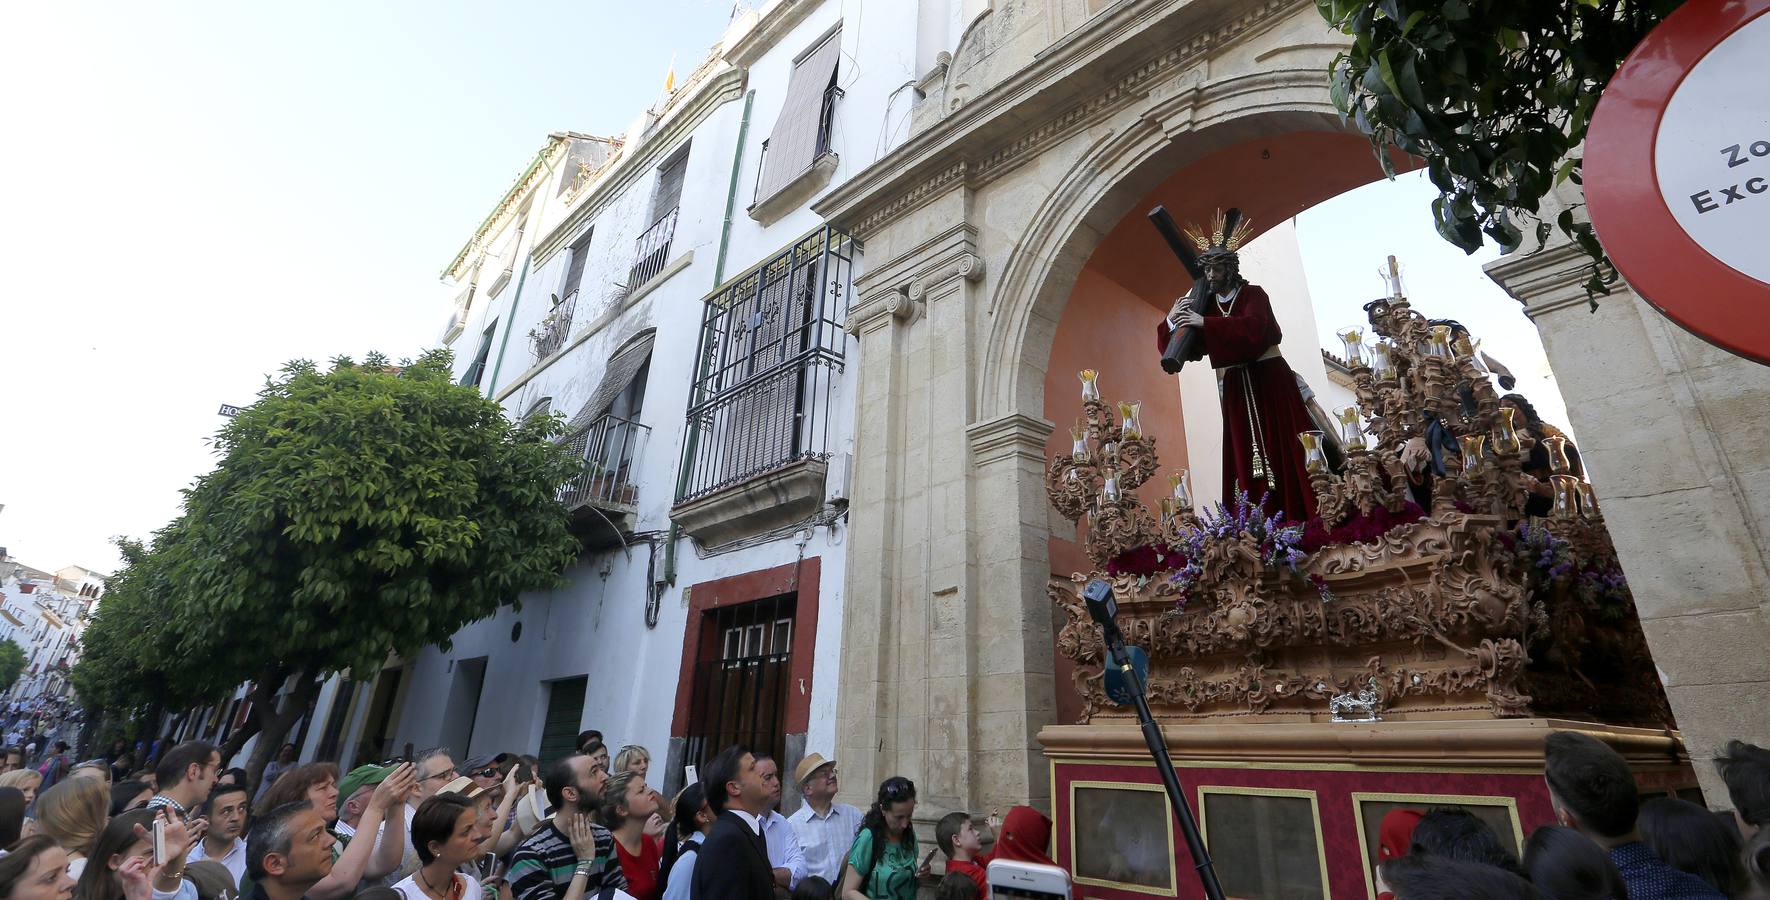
x: 226, y: 812
x: 568, y: 857
x: 1263, y: 411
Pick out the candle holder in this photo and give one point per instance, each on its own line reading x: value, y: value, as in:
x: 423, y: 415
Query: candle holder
x: 1505, y: 431
x: 1588, y: 500
x: 1566, y: 496
x: 1131, y: 411
x: 1182, y: 495
x: 1464, y: 349
x: 1090, y: 385
x: 1109, y: 489
x: 1353, y: 338
x: 1439, y: 343
x: 1558, y: 462
x: 1383, y: 361
x: 1314, y: 456
x: 1351, y: 432
x: 1078, y: 448
x: 1472, y: 446
x: 1167, y: 514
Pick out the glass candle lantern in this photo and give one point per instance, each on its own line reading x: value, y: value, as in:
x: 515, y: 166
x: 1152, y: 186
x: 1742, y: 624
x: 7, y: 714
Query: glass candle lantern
x: 1314, y: 457
x: 1130, y: 413
x: 1462, y: 346
x: 1557, y: 447
x: 1078, y: 446
x: 1472, y: 445
x: 1382, y: 360
x: 1353, y: 338
x: 1182, y: 495
x: 1439, y: 344
x: 1566, y: 496
x: 1167, y: 506
x: 1109, y: 489
x: 1505, y: 431
x: 1351, y: 431
x: 1109, y: 454
x: 1588, y: 499
x: 1090, y: 384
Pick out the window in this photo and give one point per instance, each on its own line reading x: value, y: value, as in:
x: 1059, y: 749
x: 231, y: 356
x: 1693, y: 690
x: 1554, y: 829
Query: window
x: 802, y: 133
x: 770, y: 350
x: 653, y: 247
x: 565, y: 709
x: 574, y: 271
x: 540, y: 407
x: 476, y: 371
x: 606, y: 434
x: 741, y: 695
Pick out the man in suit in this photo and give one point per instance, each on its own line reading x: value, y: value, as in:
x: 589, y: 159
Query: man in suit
x: 733, y: 862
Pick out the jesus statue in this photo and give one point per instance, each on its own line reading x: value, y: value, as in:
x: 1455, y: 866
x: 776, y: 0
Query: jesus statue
x: 1263, y: 411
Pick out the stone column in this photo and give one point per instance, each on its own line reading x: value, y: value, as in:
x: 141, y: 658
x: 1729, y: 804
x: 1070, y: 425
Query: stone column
x: 946, y: 663
x: 1675, y: 435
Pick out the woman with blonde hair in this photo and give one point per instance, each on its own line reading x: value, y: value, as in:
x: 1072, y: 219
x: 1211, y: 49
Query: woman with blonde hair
x: 73, y: 813
x: 26, y: 780
x: 632, y: 758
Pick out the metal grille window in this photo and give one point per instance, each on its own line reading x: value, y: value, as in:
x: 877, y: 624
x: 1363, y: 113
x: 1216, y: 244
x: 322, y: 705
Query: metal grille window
x: 740, y: 692
x: 771, y: 348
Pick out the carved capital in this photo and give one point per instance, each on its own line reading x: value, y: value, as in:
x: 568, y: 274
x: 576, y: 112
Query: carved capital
x: 881, y: 308
x: 1011, y: 436
x: 964, y: 265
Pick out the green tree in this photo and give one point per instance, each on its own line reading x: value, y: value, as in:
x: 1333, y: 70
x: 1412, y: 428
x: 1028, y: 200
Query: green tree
x: 1495, y: 96
x: 12, y: 663
x: 354, y: 512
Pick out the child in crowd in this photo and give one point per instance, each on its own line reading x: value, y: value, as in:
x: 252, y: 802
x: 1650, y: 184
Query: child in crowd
x: 959, y: 841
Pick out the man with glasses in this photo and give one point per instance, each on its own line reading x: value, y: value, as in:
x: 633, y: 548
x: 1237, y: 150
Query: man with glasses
x: 185, y: 775
x: 435, y: 768
x: 825, y: 828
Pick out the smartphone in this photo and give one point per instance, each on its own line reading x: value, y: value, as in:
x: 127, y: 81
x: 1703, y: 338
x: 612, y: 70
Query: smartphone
x: 689, y: 775
x: 1027, y: 881
x: 926, y: 860
x: 160, y: 841
x: 524, y: 774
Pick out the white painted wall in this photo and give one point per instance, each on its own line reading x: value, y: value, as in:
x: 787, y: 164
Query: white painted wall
x: 595, y: 626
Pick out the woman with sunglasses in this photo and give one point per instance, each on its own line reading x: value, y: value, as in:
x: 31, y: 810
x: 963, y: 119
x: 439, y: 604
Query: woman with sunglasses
x: 882, y: 862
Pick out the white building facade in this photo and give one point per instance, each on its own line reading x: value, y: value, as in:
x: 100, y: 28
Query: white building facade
x: 45, y: 614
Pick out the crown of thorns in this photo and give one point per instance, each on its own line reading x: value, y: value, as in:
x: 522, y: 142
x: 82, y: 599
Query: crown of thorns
x: 1229, y: 230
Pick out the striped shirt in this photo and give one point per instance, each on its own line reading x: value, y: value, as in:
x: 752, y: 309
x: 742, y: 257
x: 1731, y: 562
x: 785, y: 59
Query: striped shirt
x: 542, y: 866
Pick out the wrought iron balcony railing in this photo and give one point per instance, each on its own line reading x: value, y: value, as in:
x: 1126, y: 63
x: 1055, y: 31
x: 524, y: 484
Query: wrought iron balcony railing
x: 772, y: 346
x: 610, y: 449
x: 549, y: 336
x: 652, y: 251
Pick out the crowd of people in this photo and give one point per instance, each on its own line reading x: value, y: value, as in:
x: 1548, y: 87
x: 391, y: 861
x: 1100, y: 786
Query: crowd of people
x: 585, y: 827
x: 1608, y: 842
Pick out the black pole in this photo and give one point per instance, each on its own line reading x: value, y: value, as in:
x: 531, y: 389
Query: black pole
x: 1098, y: 594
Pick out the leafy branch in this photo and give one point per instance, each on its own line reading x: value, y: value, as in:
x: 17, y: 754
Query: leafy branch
x: 1495, y: 96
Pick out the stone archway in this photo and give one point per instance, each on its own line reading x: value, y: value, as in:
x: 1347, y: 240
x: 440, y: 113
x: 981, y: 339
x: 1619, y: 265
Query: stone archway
x: 976, y: 231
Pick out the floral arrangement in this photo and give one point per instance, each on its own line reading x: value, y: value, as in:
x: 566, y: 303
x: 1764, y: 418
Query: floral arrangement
x: 1277, y: 542
x: 1597, y: 583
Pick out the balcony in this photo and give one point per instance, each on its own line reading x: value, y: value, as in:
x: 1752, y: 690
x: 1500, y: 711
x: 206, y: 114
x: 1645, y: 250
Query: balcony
x: 764, y: 416
x: 652, y: 251
x: 549, y: 337
x: 603, y: 497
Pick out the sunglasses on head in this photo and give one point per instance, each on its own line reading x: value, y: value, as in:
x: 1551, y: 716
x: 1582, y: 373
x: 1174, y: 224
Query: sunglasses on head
x: 897, y: 789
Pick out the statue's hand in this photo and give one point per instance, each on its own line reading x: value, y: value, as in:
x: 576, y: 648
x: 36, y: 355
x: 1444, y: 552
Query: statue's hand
x: 1190, y: 319
x: 1177, y: 310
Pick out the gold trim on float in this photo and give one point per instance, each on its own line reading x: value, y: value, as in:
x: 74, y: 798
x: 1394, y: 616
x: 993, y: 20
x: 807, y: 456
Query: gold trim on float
x: 1303, y: 793
x: 1360, y: 797
x: 1296, y: 767
x: 1173, y: 889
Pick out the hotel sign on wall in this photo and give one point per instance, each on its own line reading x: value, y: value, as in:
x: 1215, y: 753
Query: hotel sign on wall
x: 1677, y: 171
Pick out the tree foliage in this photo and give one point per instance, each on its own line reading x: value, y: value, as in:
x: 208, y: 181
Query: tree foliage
x: 1495, y: 96
x: 12, y: 663
x: 354, y: 511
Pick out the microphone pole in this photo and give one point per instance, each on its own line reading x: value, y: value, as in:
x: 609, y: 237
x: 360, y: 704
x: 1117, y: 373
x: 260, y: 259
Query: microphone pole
x: 1104, y: 609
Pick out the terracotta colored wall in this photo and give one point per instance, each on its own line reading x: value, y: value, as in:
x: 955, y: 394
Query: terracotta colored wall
x: 1107, y: 328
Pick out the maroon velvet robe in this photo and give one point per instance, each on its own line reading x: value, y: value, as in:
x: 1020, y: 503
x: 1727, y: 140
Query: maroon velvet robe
x: 1235, y: 343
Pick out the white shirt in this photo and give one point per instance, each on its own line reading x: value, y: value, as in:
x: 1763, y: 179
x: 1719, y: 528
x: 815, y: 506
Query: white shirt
x: 234, y: 859
x: 825, y: 840
x: 749, y: 820
x: 682, y: 873
x: 408, y: 862
x: 409, y: 889
x: 783, y: 847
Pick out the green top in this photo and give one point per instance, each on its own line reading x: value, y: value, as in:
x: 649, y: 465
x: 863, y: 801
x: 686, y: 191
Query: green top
x: 894, y: 878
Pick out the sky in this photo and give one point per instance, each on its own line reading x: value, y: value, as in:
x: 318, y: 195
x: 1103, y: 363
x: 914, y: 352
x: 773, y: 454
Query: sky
x: 194, y: 193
